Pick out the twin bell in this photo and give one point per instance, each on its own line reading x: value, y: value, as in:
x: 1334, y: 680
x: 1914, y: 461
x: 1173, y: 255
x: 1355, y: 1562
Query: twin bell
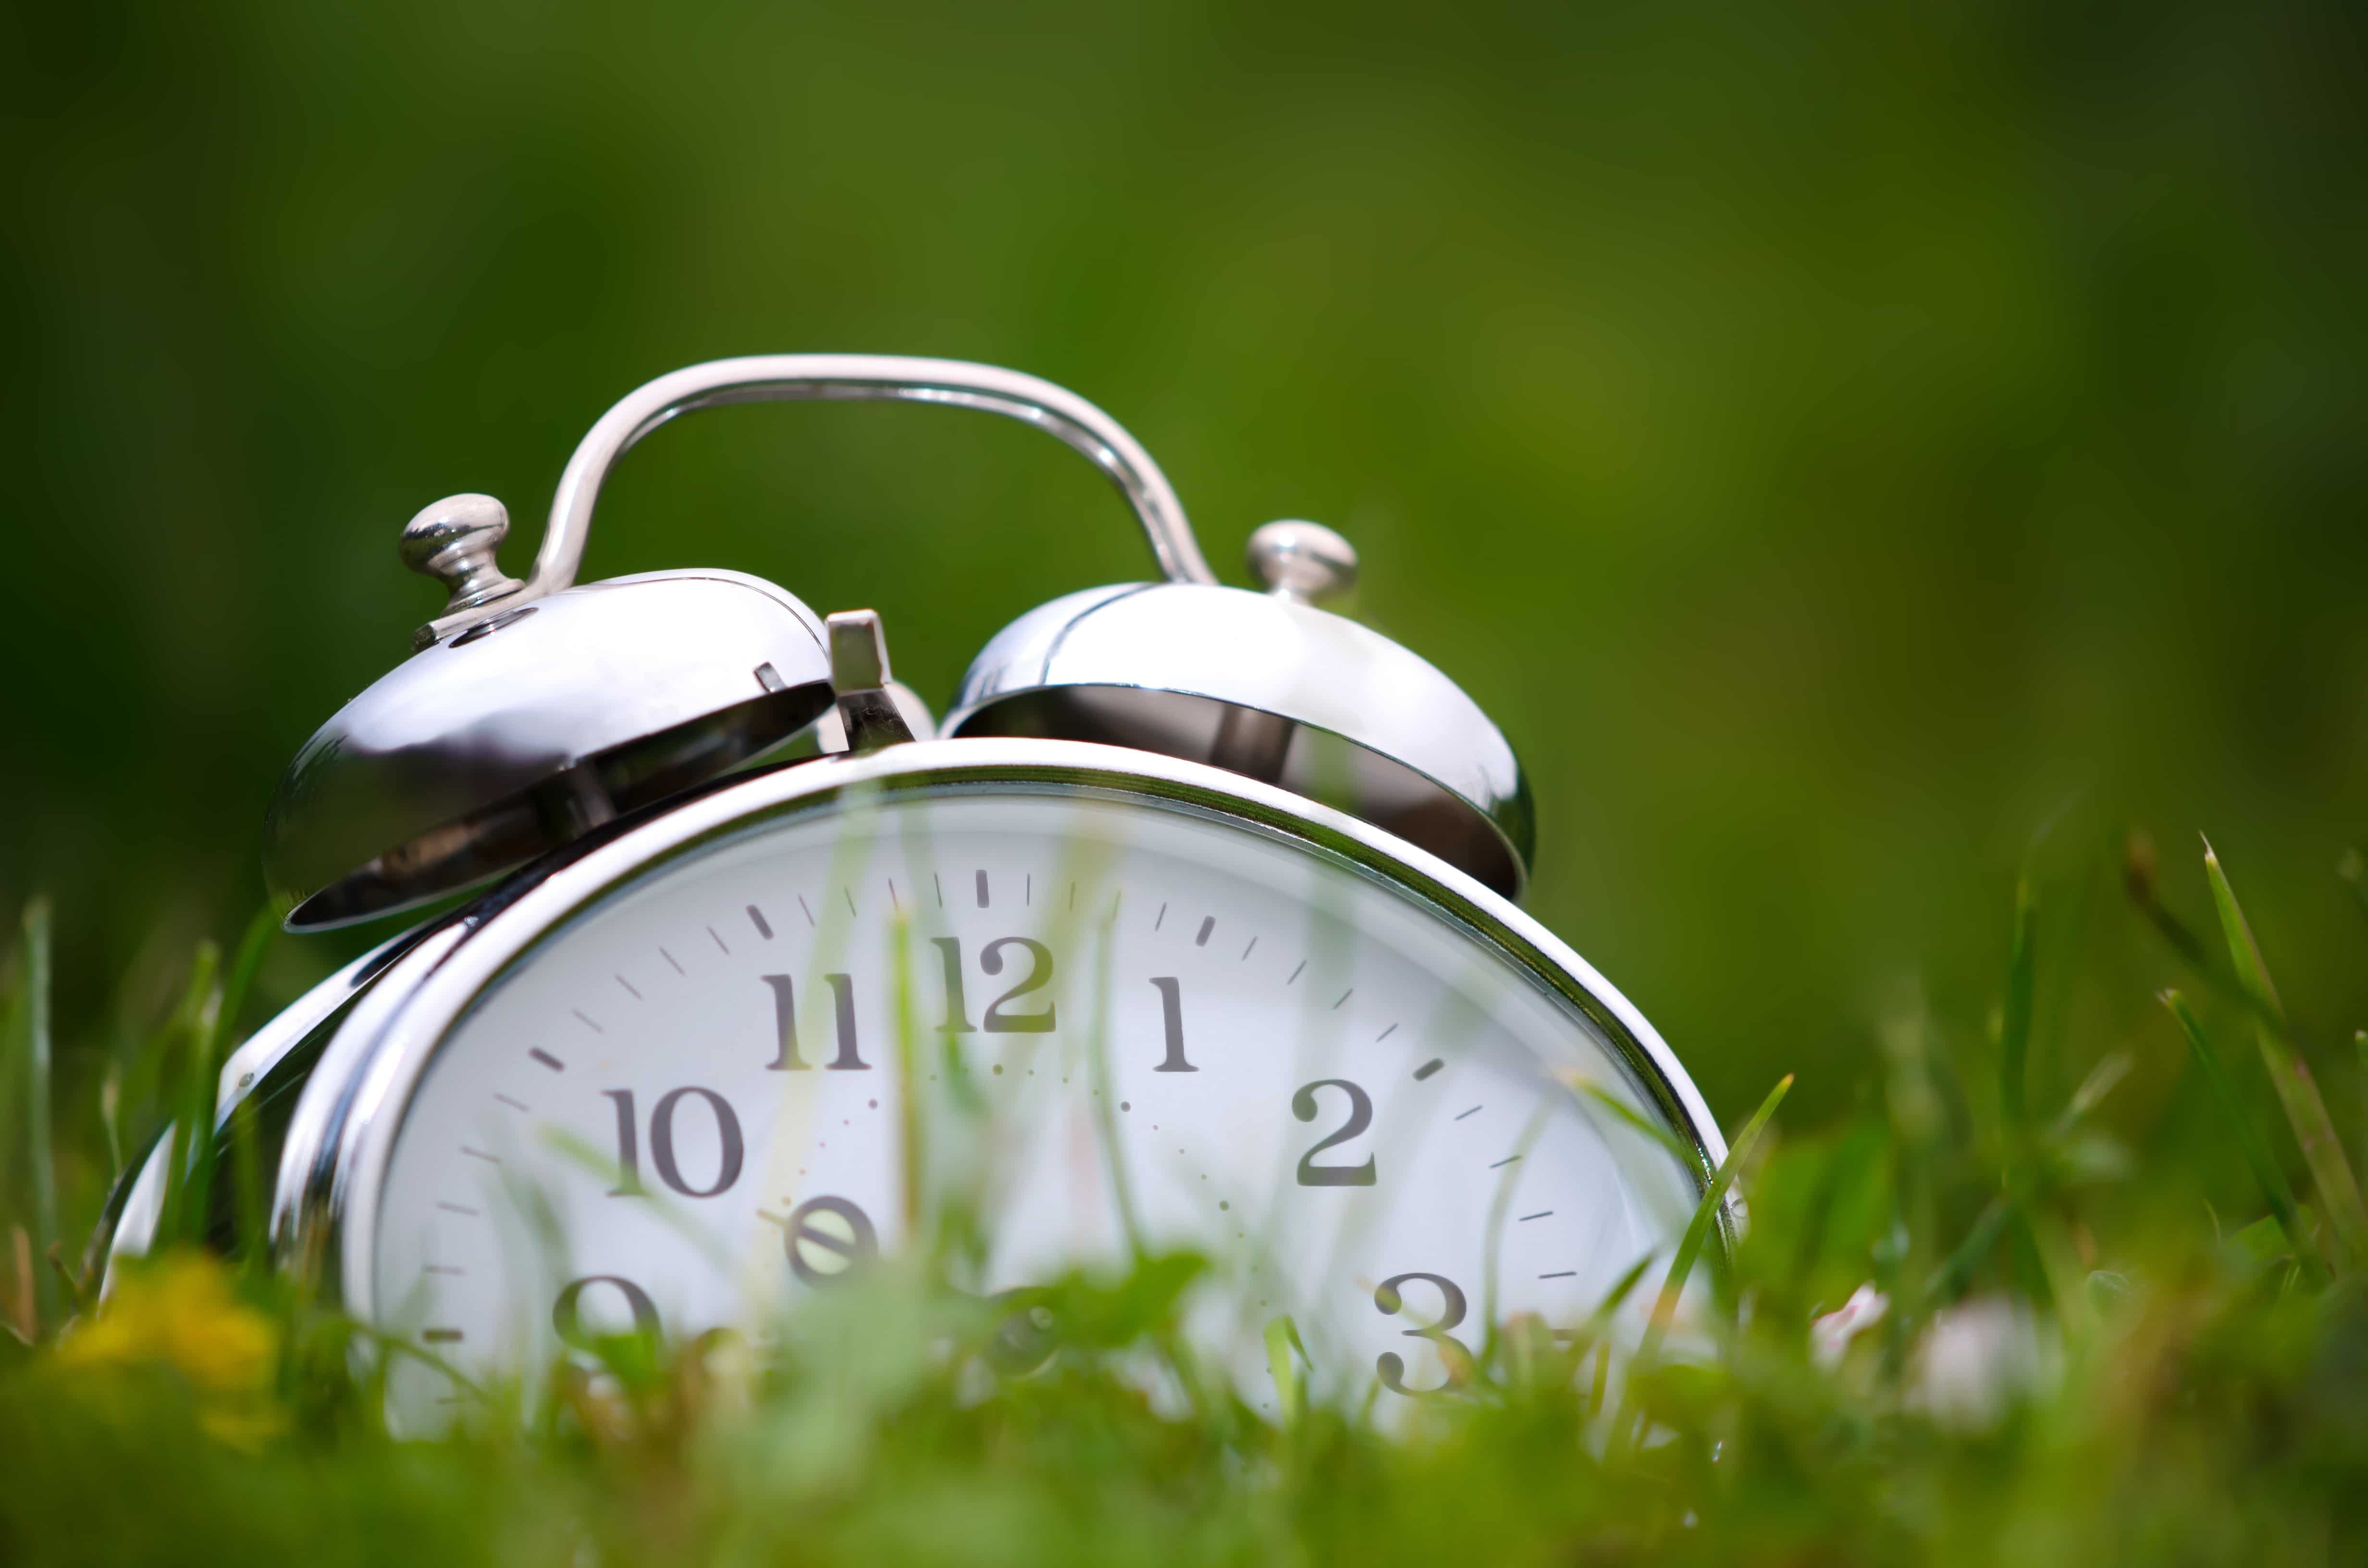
x: 535, y: 711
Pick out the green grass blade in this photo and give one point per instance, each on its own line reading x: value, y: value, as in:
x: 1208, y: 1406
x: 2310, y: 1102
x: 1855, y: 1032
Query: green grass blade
x: 2354, y: 872
x: 2243, y: 950
x: 2360, y: 1056
x: 1601, y: 1381
x: 2014, y: 1086
x: 2030, y: 1268
x: 1636, y: 1123
x: 203, y: 1073
x: 2101, y: 1080
x: 2265, y: 1169
x: 2339, y: 1190
x: 2014, y: 1024
x: 1598, y: 1322
x: 18, y: 1315
x: 1697, y: 1232
x: 1284, y: 1354
x: 1958, y: 1267
x: 39, y: 1151
x: 1499, y: 1205
x: 913, y: 1154
x: 1706, y: 1213
x: 253, y: 944
x: 187, y: 1087
x: 248, y: 1208
x: 2139, y: 881
x: 251, y: 1212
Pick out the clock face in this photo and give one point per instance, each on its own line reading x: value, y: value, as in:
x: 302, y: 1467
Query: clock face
x: 1109, y: 1021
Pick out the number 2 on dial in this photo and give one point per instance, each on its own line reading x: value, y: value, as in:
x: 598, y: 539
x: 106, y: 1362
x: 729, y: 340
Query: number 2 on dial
x: 1361, y: 1117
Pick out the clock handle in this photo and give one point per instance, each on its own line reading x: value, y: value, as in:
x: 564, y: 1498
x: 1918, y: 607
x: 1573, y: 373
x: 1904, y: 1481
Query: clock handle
x: 846, y: 378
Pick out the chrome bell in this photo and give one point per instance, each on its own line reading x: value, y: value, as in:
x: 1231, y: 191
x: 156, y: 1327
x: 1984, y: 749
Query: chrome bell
x: 1270, y: 686
x: 518, y: 731
x: 535, y: 710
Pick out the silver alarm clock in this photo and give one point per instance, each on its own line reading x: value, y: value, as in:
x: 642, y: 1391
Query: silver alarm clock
x: 1192, y: 926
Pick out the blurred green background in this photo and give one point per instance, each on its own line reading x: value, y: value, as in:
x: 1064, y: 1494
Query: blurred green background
x: 1835, y: 441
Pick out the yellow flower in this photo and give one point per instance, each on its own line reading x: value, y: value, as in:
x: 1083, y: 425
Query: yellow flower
x: 181, y: 1313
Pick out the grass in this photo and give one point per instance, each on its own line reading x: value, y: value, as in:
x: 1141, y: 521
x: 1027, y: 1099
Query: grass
x: 2062, y: 1347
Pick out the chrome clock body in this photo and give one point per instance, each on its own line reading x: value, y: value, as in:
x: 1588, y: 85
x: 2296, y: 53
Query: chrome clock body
x: 1263, y: 992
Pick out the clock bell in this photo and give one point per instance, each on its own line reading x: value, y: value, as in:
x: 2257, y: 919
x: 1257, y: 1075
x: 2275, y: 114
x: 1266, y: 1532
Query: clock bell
x: 536, y: 710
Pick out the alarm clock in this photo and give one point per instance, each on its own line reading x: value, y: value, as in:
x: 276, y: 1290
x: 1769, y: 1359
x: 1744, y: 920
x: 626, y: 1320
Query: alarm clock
x: 1192, y: 926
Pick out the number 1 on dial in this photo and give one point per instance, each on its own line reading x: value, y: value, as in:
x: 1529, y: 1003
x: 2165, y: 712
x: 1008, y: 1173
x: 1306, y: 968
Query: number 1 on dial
x: 957, y: 1005
x: 1171, y: 1014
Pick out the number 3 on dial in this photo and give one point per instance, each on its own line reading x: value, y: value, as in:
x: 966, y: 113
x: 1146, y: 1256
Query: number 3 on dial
x: 1451, y: 1350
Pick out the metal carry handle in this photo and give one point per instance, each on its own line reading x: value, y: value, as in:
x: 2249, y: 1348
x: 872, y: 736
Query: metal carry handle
x: 764, y: 378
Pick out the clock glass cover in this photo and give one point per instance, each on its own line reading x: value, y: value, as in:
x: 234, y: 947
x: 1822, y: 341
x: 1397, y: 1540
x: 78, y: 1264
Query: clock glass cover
x: 1108, y: 1023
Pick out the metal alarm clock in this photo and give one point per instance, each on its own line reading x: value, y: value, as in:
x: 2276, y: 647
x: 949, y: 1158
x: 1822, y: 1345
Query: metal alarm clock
x: 1191, y: 924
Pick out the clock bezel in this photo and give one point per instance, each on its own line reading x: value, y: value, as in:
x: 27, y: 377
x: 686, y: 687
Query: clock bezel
x: 341, y: 1139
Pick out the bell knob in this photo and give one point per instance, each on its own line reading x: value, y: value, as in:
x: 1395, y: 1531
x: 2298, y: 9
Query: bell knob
x: 1272, y: 687
x: 455, y: 540
x: 1302, y: 560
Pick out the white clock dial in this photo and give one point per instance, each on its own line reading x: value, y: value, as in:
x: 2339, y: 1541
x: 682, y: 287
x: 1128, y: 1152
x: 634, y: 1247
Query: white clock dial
x: 688, y: 1105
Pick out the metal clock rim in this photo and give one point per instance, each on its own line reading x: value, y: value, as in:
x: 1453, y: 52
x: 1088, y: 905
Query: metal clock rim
x: 334, y: 1163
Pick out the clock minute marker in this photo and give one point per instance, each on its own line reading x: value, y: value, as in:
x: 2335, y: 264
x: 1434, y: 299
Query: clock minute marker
x: 849, y: 895
x: 456, y: 1209
x: 1385, y: 1034
x: 1156, y: 925
x: 1428, y: 1068
x: 442, y: 1268
x: 1252, y: 947
x: 1563, y: 1273
x: 481, y: 1154
x: 628, y: 988
x: 587, y: 1022
x: 547, y: 1059
x: 514, y: 1104
x: 1294, y: 974
x: 1473, y: 1111
x: 440, y: 1335
x: 893, y: 901
x: 1505, y: 1161
x: 809, y: 913
x: 939, y: 882
x: 1344, y: 996
x: 719, y: 942
x: 1539, y: 1215
x: 669, y: 959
